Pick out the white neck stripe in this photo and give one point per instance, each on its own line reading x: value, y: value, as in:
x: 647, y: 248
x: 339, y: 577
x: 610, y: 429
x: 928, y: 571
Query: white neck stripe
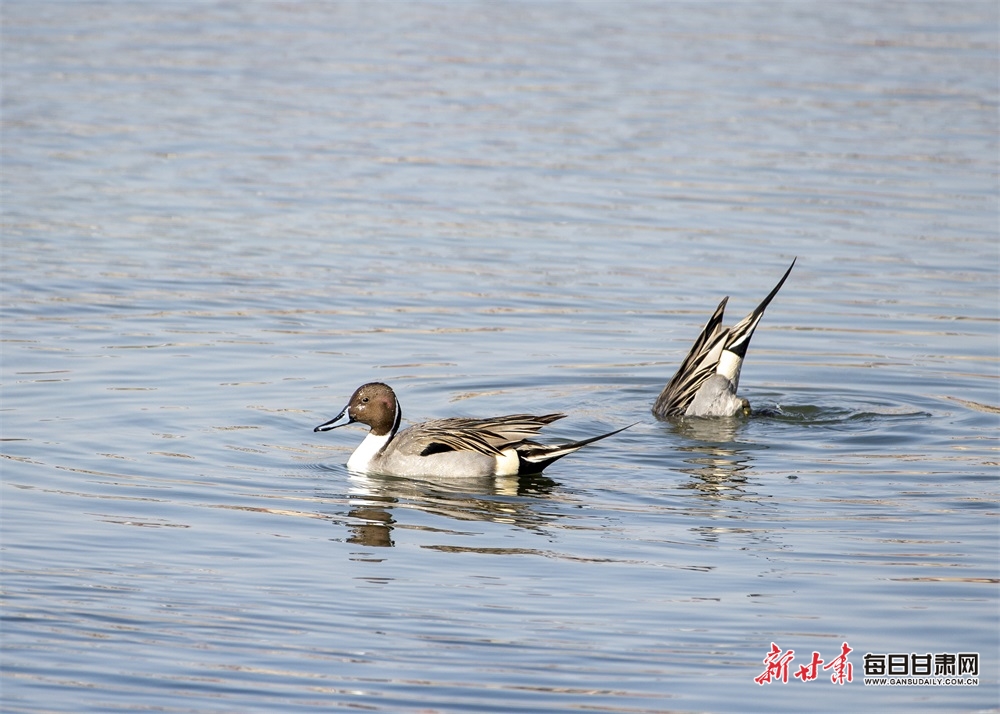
x: 366, y: 452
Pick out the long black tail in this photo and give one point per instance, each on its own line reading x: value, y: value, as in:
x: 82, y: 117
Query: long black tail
x: 742, y: 331
x: 537, y: 457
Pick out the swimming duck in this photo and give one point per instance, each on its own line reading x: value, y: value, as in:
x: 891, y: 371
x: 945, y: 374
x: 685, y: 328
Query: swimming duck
x: 705, y: 384
x: 499, y: 446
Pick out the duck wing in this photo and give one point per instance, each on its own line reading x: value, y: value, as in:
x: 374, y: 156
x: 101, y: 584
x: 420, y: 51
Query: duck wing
x: 487, y: 436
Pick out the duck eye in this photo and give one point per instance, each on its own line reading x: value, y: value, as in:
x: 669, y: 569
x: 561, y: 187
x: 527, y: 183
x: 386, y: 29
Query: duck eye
x: 364, y: 400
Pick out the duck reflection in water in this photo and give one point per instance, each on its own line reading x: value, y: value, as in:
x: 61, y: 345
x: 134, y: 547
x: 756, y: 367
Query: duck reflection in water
x: 719, y: 463
x: 510, y: 500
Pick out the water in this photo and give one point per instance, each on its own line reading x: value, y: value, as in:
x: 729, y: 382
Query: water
x: 219, y: 219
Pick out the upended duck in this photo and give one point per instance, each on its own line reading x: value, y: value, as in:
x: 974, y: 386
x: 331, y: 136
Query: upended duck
x: 456, y: 447
x: 705, y: 384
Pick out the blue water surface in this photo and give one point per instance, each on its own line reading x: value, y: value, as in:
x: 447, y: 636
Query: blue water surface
x: 221, y: 218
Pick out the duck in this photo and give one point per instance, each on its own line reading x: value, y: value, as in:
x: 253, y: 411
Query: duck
x: 457, y: 446
x: 705, y: 384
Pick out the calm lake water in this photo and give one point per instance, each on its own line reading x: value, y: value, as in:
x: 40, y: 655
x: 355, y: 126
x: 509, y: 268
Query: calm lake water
x: 221, y: 218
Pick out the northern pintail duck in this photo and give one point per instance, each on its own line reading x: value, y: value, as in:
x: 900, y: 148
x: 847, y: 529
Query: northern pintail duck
x: 458, y: 447
x: 706, y: 382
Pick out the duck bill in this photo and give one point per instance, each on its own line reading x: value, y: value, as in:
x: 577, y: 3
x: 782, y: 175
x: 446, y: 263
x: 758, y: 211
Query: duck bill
x: 342, y: 419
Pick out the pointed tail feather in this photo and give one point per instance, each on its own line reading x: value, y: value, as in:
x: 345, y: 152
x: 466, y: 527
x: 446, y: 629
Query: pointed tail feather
x: 742, y: 331
x: 539, y: 456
